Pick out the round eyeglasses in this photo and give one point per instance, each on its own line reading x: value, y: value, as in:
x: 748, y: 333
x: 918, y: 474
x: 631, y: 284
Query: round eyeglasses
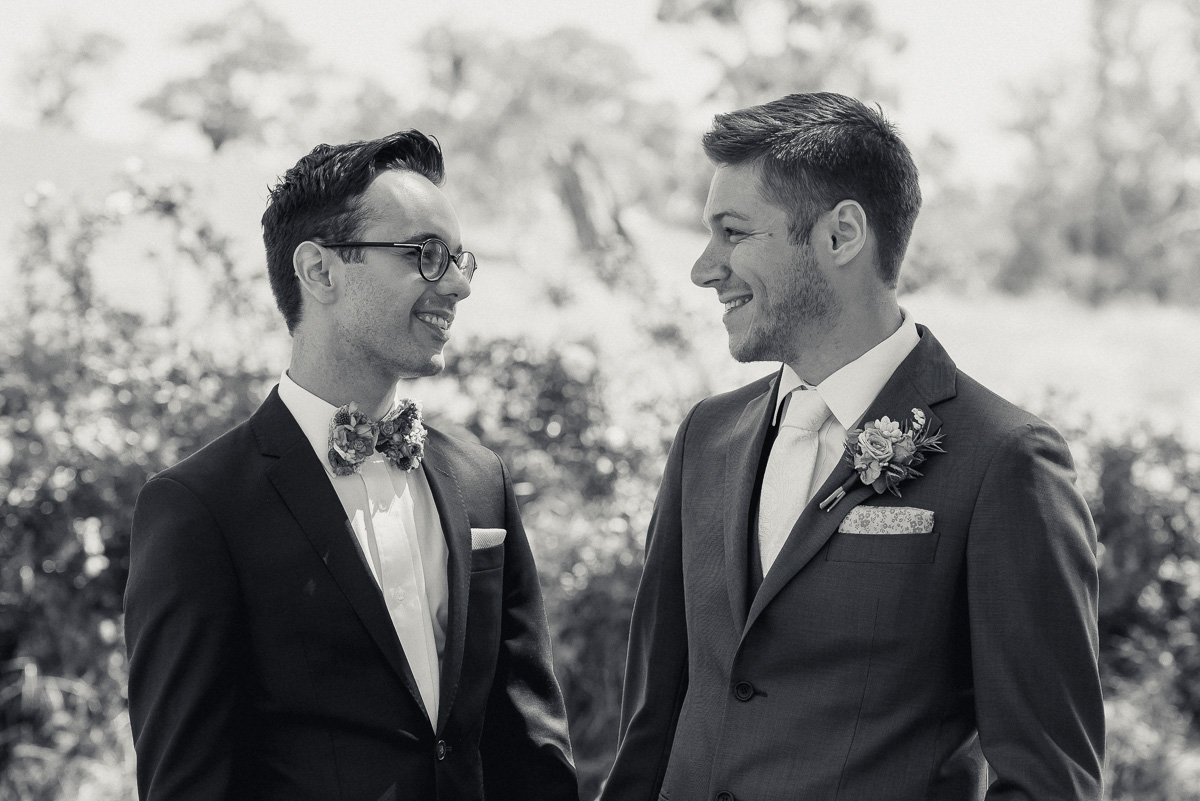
x: 435, y: 256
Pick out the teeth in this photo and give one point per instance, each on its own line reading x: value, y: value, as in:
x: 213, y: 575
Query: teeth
x: 433, y: 319
x: 733, y: 304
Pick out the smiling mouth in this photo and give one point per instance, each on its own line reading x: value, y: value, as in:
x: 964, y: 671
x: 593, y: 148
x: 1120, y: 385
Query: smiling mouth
x: 436, y: 320
x: 730, y: 305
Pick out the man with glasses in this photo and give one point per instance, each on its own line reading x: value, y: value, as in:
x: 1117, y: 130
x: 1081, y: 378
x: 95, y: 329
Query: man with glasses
x: 332, y: 600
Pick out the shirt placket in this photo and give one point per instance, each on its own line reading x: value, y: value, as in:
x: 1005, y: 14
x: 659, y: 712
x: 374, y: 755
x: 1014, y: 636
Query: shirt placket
x: 402, y: 581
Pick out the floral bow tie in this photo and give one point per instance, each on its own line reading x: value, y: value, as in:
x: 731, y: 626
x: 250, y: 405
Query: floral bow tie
x: 399, y: 436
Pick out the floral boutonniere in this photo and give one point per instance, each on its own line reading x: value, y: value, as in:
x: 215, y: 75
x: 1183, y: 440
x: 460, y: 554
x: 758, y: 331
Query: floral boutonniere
x: 400, y: 436
x: 885, y: 452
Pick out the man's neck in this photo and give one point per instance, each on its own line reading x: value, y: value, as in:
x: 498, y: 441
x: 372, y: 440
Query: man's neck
x: 856, y: 331
x: 340, y: 381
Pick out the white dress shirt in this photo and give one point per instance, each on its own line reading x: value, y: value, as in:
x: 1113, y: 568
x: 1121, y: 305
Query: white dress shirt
x: 397, y: 525
x: 848, y: 393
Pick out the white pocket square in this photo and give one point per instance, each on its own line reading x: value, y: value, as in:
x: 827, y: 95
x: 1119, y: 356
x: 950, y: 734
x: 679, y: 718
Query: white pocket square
x: 887, y: 520
x: 486, y: 537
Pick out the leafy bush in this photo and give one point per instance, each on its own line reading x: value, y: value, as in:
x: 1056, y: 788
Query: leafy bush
x: 93, y: 400
x: 1144, y: 492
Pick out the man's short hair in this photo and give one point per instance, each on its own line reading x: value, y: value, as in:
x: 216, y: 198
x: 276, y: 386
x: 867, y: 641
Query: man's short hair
x: 321, y: 199
x: 814, y: 151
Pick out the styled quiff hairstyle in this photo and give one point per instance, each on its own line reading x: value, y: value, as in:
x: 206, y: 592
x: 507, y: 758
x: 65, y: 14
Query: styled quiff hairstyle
x: 815, y: 150
x: 320, y: 199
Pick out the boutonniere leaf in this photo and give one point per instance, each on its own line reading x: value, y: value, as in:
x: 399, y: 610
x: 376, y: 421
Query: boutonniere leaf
x: 885, y: 452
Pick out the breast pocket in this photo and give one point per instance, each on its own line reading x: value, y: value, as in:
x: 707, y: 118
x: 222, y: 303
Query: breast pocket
x: 883, y: 548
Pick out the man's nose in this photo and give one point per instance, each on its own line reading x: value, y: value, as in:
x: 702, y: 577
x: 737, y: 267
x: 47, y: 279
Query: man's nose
x: 453, y: 283
x: 711, y: 267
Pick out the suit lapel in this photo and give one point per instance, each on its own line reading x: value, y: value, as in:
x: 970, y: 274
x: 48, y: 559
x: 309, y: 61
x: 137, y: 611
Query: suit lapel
x: 924, y: 378
x: 456, y: 528
x: 741, y: 470
x: 303, y: 485
x: 812, y: 530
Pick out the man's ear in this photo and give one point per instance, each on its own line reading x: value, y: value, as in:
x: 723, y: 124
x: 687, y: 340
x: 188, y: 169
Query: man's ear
x: 314, y: 266
x: 843, y: 232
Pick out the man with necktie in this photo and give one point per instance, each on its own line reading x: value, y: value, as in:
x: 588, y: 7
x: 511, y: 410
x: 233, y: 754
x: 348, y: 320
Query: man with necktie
x: 332, y: 601
x: 867, y: 577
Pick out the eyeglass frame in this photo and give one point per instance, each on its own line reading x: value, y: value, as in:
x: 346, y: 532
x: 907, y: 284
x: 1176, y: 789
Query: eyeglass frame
x: 420, y: 246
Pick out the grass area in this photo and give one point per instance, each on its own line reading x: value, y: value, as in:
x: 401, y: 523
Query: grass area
x: 1120, y: 364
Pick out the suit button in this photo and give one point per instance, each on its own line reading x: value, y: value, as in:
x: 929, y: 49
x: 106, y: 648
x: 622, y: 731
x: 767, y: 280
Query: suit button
x: 725, y: 797
x: 743, y: 691
x: 441, y: 750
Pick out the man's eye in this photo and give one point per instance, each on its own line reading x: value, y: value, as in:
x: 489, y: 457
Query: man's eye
x: 732, y: 233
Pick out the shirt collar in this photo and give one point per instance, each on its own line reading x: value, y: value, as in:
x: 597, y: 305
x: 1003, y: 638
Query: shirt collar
x: 312, y: 413
x: 850, y: 389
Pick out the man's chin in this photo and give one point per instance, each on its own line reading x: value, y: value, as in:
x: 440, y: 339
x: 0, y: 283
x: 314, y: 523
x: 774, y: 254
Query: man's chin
x: 752, y: 349
x: 433, y: 366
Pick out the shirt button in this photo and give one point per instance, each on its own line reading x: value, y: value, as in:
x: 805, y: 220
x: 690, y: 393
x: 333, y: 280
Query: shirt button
x: 725, y: 797
x: 743, y: 691
x: 441, y: 750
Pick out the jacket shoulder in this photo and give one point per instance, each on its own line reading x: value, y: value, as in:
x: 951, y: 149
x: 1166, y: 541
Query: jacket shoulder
x: 993, y: 425
x: 216, y: 464
x: 472, y: 464
x: 459, y: 447
x: 734, y: 400
x: 989, y: 411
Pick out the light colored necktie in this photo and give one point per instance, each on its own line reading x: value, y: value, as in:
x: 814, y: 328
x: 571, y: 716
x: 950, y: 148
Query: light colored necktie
x: 787, y: 481
x: 397, y: 557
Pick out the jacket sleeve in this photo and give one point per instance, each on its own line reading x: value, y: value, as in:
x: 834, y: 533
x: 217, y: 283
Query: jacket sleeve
x: 656, y: 669
x: 1032, y: 592
x: 525, y: 745
x: 181, y: 608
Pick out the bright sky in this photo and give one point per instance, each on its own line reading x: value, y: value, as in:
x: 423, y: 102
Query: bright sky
x: 963, y: 61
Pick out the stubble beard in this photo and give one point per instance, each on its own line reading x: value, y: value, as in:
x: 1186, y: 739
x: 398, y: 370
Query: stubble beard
x: 379, y: 356
x: 432, y: 367
x: 407, y: 366
x: 370, y: 340
x: 804, y: 301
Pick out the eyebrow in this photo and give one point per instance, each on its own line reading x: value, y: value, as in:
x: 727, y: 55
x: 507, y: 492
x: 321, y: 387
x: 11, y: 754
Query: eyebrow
x: 727, y: 213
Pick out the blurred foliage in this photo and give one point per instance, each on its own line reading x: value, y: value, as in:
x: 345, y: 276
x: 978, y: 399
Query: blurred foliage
x: 93, y: 400
x: 550, y: 127
x: 769, y: 48
x: 1110, y: 202
x: 1144, y: 493
x: 54, y: 75
x: 256, y: 79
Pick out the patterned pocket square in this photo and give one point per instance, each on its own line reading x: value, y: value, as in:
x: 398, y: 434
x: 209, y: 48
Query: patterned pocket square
x: 486, y: 537
x: 887, y: 520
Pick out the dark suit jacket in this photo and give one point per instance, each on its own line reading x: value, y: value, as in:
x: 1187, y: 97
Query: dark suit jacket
x: 869, y: 667
x: 262, y: 661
